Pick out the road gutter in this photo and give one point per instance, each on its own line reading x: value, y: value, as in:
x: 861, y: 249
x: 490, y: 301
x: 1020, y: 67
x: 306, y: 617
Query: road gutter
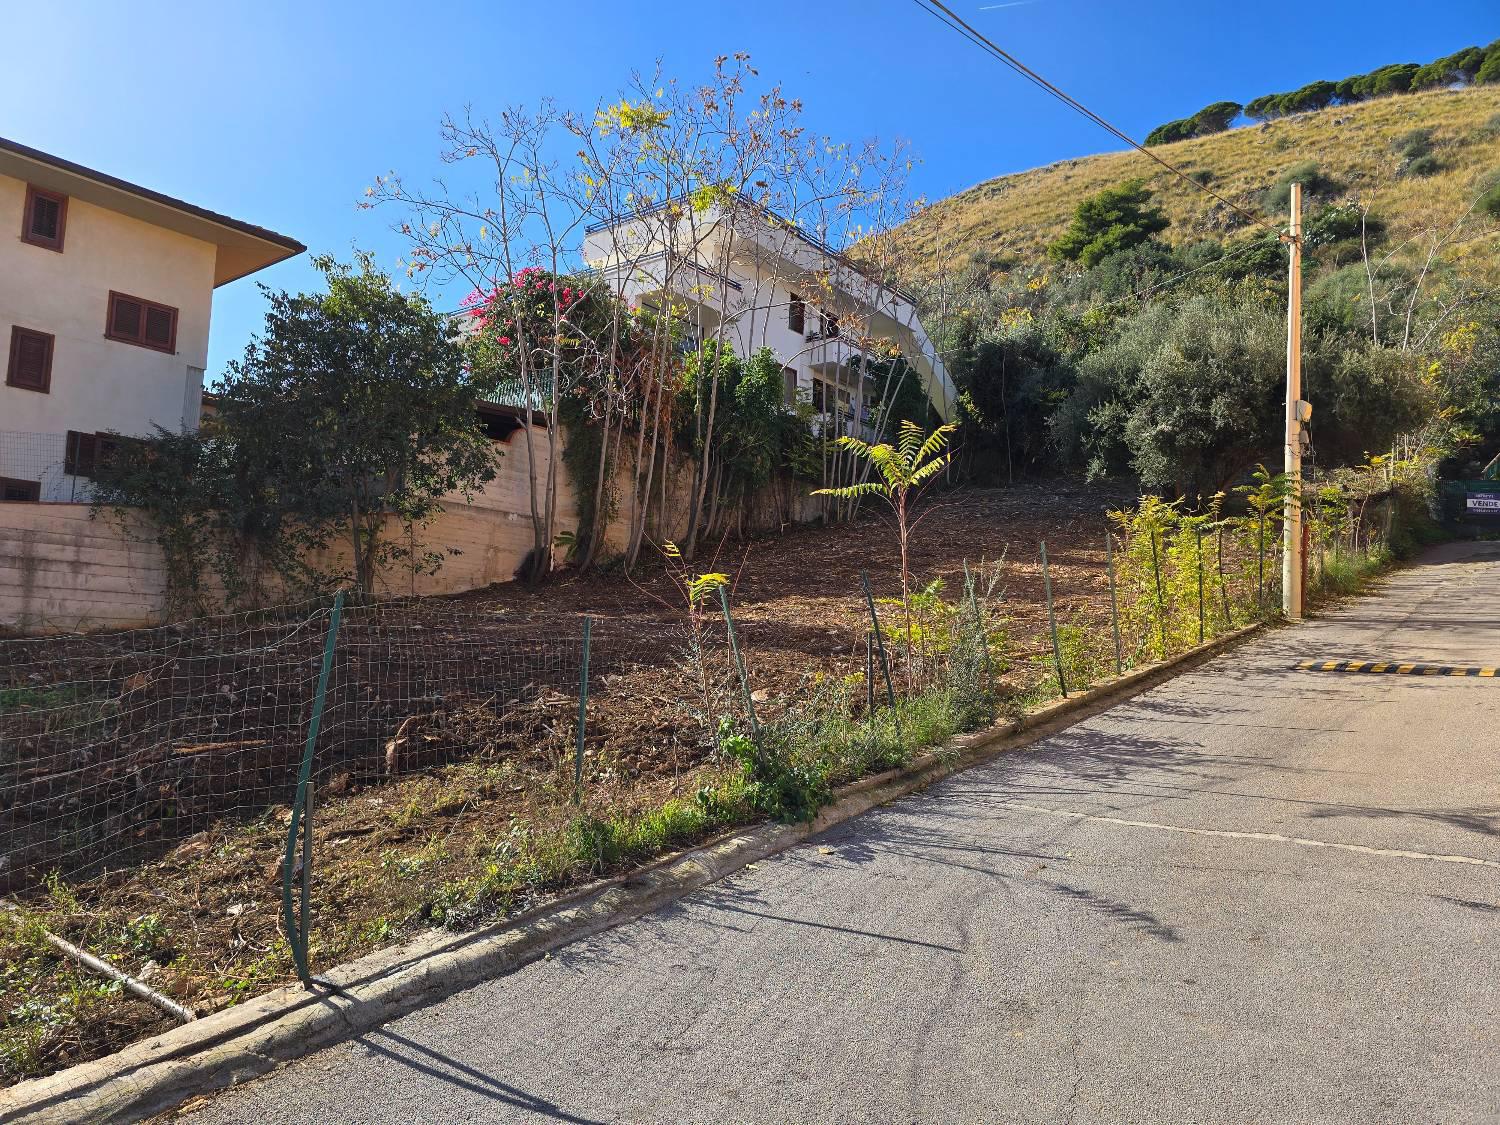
x: 250, y: 1039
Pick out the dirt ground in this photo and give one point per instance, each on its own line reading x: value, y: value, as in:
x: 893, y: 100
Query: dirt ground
x: 447, y: 753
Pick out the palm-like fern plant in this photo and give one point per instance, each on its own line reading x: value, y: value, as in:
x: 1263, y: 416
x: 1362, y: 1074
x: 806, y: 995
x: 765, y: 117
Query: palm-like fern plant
x: 904, y: 470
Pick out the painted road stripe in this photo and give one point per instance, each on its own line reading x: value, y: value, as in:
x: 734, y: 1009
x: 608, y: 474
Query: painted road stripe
x: 1387, y: 666
x: 1267, y: 837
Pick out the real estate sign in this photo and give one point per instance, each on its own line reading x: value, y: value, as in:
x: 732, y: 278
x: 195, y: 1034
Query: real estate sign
x: 1484, y: 503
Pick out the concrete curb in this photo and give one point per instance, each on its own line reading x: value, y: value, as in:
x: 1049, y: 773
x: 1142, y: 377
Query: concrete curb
x: 239, y: 1043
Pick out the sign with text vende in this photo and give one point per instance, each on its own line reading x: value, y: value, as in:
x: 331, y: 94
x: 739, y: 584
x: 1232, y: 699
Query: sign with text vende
x: 1486, y: 502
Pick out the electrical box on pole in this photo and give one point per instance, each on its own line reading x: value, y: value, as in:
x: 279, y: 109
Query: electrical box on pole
x: 1298, y: 413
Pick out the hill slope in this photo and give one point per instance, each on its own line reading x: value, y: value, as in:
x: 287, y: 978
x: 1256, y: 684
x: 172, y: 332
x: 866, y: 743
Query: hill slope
x: 1015, y: 217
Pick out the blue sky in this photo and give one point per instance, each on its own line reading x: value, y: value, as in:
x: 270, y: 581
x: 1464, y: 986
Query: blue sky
x: 281, y: 112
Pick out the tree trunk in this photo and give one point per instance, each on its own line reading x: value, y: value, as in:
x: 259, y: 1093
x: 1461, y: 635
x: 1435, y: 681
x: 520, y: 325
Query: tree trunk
x: 638, y: 529
x: 597, y: 523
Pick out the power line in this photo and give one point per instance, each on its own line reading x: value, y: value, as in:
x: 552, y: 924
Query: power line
x: 949, y: 18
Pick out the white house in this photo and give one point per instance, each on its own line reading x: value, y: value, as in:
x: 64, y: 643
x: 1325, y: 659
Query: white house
x: 744, y: 272
x: 105, y: 294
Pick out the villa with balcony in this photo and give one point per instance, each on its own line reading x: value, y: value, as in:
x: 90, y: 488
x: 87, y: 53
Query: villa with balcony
x: 743, y: 273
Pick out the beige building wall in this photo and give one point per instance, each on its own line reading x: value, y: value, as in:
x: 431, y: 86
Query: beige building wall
x: 98, y: 383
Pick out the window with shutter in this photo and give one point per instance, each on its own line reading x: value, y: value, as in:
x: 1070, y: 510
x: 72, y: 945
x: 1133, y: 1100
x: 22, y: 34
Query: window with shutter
x: 134, y: 321
x: 45, y: 218
x: 158, y: 327
x: 106, y: 446
x: 125, y: 319
x: 82, y: 454
x: 30, y: 364
x: 796, y: 314
x: 789, y: 374
x: 14, y: 491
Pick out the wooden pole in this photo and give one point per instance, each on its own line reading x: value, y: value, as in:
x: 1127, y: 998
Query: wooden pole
x: 1291, y: 561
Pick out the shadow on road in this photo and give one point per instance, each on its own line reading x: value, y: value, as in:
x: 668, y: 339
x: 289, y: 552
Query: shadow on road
x: 435, y: 1064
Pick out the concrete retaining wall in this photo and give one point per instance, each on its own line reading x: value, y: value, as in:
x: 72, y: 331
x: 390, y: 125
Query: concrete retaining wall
x: 61, y: 569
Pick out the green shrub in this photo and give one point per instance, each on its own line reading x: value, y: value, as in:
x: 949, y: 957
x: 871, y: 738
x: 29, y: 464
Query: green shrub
x: 1340, y: 222
x: 1114, y: 220
x: 1489, y: 70
x: 1489, y: 200
x: 1306, y: 172
x: 1410, y: 145
x: 1422, y: 166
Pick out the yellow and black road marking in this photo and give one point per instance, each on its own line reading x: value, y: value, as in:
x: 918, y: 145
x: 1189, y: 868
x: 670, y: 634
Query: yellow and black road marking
x: 1396, y: 668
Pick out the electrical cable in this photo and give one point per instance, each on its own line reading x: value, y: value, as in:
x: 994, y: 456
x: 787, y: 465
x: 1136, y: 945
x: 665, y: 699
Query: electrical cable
x: 949, y: 18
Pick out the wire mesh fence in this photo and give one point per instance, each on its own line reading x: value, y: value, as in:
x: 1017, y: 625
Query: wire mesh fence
x: 153, y: 810
x: 149, y: 779
x: 47, y: 467
x: 115, y: 747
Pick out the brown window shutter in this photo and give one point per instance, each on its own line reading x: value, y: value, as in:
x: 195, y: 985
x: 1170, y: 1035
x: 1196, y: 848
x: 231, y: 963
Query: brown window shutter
x: 159, y: 324
x: 19, y: 491
x: 82, y: 454
x: 796, y: 314
x: 30, y: 365
x: 134, y: 321
x: 44, y: 215
x: 125, y: 318
x: 106, y: 445
x: 45, y: 218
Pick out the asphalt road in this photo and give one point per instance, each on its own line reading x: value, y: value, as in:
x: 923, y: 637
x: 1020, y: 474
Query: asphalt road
x: 1251, y: 894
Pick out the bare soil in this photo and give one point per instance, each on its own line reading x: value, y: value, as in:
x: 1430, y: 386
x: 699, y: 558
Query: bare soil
x: 447, y: 747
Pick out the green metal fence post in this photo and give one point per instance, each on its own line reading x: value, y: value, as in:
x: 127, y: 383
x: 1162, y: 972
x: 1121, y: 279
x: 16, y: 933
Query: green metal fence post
x: 1161, y: 598
x: 885, y: 665
x: 1052, y: 623
x: 739, y: 662
x: 869, y: 672
x: 583, y: 713
x: 297, y: 928
x: 1114, y: 601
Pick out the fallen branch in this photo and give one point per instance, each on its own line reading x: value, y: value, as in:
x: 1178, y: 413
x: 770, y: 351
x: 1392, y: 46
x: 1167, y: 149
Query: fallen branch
x: 239, y: 744
x: 105, y: 969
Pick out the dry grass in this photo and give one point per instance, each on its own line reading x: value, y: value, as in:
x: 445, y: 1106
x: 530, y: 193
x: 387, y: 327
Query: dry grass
x: 1018, y: 215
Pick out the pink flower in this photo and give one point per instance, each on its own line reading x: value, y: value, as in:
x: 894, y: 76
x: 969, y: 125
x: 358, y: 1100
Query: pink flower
x: 505, y: 340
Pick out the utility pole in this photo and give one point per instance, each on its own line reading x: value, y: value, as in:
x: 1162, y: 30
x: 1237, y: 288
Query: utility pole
x: 1298, y: 413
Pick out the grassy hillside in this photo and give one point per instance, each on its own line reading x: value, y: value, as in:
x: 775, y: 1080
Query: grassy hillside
x: 1015, y: 217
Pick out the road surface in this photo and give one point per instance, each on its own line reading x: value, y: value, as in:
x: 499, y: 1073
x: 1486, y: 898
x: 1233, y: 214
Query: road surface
x: 1252, y: 894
